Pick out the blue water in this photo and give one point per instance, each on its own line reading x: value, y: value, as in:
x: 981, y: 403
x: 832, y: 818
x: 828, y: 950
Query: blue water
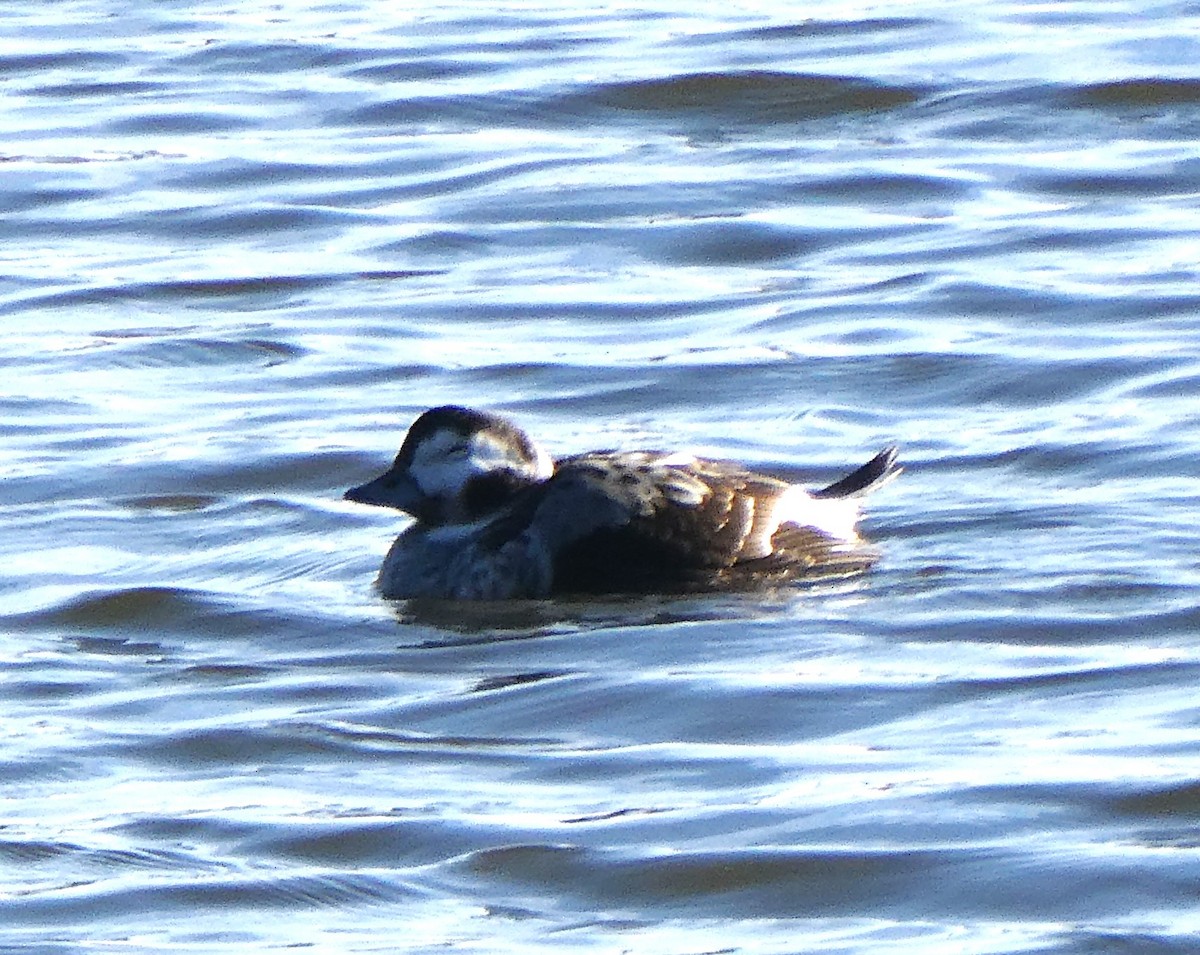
x: 244, y: 245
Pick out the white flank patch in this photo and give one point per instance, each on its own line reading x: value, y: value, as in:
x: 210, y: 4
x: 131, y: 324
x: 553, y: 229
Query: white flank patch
x: 544, y: 465
x: 833, y: 516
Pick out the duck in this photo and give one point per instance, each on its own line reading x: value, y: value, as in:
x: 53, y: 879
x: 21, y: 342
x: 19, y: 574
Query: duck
x: 495, y: 517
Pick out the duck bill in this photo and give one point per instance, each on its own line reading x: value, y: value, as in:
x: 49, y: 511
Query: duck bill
x: 391, y: 489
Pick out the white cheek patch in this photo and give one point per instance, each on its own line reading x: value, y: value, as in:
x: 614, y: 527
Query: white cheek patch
x: 833, y: 516
x: 439, y: 465
x: 445, y: 461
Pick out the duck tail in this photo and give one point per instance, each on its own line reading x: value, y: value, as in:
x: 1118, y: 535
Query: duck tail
x: 874, y: 474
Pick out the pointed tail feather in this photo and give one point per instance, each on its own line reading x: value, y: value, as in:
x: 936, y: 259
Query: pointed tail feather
x: 874, y: 474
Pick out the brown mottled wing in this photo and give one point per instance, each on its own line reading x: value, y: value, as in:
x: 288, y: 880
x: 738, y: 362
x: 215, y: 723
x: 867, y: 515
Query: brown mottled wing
x: 800, y: 552
x: 735, y: 521
x: 636, y: 522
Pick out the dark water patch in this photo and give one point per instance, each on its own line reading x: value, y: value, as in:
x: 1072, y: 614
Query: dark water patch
x: 200, y: 222
x: 1149, y: 92
x: 1094, y: 459
x: 1074, y: 680
x: 44, y: 690
x: 722, y: 242
x: 231, y: 172
x: 1178, y: 803
x: 33, y: 851
x: 208, y: 829
x: 120, y: 647
x: 406, y: 840
x: 172, y: 503
x: 388, y: 275
x: 1177, y: 380
x: 231, y: 749
x: 818, y: 28
x: 227, y: 222
x: 74, y: 863
x: 178, y: 122
x: 264, y: 476
x: 980, y: 882
x: 1036, y: 384
x: 440, y: 243
x: 889, y: 187
x: 14, y: 201
x: 745, y: 99
x: 51, y: 413
x: 1089, y: 941
x: 912, y: 378
x: 753, y: 96
x: 97, y: 90
x: 167, y: 614
x: 1035, y: 807
x: 264, y: 57
x: 183, y: 292
x: 136, y: 608
x: 44, y: 773
x: 440, y: 112
x: 1181, y: 306
x: 261, y: 294
x: 780, y: 881
x: 225, y: 673
x: 189, y: 352
x: 1150, y: 180
x: 1044, y: 306
x: 330, y: 745
x: 1048, y: 238
x: 253, y: 488
x: 508, y: 680
x: 105, y: 901
x: 424, y: 69
x: 14, y: 64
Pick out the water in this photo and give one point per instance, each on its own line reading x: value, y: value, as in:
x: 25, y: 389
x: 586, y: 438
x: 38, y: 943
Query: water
x: 245, y: 244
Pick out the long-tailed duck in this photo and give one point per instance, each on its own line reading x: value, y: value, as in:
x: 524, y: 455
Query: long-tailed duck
x: 498, y: 518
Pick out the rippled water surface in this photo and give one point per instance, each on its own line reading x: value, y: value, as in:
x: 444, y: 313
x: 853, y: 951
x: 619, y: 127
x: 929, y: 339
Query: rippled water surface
x: 243, y: 245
